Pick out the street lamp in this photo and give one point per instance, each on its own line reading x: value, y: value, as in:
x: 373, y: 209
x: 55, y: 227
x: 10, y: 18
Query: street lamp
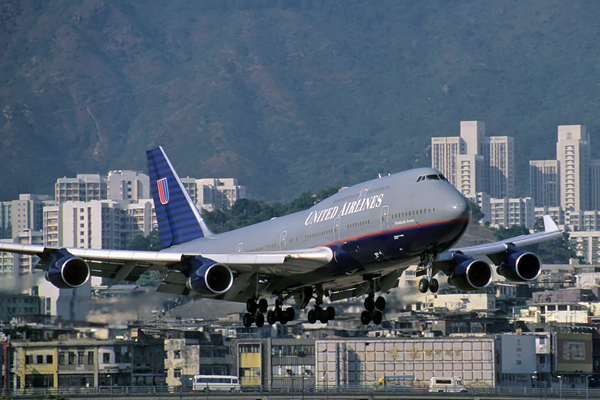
x: 111, y: 386
x: 560, y: 385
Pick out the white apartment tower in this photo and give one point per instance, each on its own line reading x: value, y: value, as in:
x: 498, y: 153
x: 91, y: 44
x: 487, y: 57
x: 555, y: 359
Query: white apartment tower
x: 544, y: 185
x: 474, y: 163
x: 573, y: 156
x: 127, y: 185
x: 85, y: 187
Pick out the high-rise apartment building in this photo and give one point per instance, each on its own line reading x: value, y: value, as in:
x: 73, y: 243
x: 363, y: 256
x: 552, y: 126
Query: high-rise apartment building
x: 475, y: 163
x: 85, y: 187
x: 127, y: 185
x: 22, y: 214
x: 573, y: 155
x: 594, y: 179
x: 544, y: 185
x: 213, y: 193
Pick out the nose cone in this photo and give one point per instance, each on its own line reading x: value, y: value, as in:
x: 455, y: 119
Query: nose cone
x: 457, y: 206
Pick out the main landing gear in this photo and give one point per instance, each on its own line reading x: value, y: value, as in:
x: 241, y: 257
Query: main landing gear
x: 319, y: 313
x: 373, y: 309
x: 257, y: 308
x: 426, y: 267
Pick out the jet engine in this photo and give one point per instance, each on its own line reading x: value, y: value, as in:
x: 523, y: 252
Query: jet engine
x: 470, y: 273
x: 65, y: 271
x: 519, y: 266
x: 208, y: 277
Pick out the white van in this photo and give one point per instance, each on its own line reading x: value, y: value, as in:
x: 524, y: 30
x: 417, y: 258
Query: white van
x: 450, y: 385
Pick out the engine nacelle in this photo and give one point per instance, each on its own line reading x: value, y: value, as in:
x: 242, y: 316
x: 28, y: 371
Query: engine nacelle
x: 65, y: 271
x: 470, y: 273
x: 208, y: 277
x: 520, y: 266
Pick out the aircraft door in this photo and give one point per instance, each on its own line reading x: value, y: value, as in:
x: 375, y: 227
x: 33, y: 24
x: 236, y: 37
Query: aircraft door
x: 336, y: 229
x: 385, y: 220
x: 282, y: 240
x: 239, y: 247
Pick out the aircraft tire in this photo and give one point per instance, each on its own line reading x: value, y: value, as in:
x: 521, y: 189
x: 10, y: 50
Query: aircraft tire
x: 365, y: 318
x: 323, y: 316
x: 369, y: 304
x: 312, y: 316
x: 380, y: 303
x: 247, y: 320
x: 283, y: 318
x: 263, y: 304
x: 291, y: 314
x: 259, y: 320
x: 330, y: 313
x: 377, y: 317
x: 251, y: 306
x: 271, y: 317
x: 434, y: 285
x: 423, y: 285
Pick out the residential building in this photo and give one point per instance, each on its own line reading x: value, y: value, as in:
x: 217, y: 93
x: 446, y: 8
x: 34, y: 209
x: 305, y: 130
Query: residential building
x: 475, y: 163
x: 573, y: 156
x: 544, y: 184
x: 508, y: 212
x: 85, y: 187
x: 127, y: 185
x: 189, y: 353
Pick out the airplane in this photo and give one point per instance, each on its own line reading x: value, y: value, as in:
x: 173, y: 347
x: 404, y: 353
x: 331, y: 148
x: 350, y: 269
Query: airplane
x: 356, y: 242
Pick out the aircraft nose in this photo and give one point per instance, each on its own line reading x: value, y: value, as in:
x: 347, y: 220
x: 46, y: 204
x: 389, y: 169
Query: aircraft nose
x: 458, y: 206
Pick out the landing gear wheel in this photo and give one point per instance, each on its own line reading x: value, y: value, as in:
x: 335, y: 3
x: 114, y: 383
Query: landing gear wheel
x: 365, y: 318
x: 380, y: 303
x: 434, y: 285
x: 251, y: 306
x: 369, y: 304
x: 312, y: 316
x: 377, y: 317
x: 248, y: 319
x: 259, y: 320
x: 271, y: 317
x: 330, y: 313
x: 423, y: 285
x: 263, y: 304
x: 291, y: 314
x: 323, y: 316
x: 284, y: 319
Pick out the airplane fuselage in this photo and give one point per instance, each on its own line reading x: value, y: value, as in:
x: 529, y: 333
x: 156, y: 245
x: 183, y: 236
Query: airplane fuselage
x: 372, y: 227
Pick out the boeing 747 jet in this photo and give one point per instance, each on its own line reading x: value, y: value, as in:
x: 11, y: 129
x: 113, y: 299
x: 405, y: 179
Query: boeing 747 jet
x: 357, y: 242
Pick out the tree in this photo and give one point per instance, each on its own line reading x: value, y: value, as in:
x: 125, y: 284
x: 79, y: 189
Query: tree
x: 148, y: 243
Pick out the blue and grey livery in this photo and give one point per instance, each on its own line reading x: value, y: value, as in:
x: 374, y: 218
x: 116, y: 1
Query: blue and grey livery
x: 357, y: 242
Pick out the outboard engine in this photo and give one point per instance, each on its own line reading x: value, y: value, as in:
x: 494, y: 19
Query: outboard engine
x: 519, y: 266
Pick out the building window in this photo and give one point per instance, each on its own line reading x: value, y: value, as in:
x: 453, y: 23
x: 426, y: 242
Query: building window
x: 177, y: 373
x: 90, y: 357
x: 61, y: 357
x: 71, y: 357
x: 49, y: 359
x: 177, y: 354
x: 80, y: 357
x: 40, y: 359
x: 106, y: 358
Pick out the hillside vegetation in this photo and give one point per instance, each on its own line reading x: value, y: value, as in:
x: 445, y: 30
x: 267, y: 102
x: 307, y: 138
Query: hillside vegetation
x: 287, y: 96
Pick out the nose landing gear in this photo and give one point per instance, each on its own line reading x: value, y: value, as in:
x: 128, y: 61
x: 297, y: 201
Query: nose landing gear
x: 426, y: 267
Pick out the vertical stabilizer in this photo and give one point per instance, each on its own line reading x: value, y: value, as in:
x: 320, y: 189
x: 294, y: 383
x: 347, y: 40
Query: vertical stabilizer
x: 179, y: 220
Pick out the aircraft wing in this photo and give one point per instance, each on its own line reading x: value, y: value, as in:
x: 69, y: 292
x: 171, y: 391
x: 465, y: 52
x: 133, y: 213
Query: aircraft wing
x: 550, y: 232
x: 497, y: 251
x: 131, y: 264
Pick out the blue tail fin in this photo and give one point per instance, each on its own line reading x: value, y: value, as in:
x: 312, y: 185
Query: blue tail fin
x: 179, y: 220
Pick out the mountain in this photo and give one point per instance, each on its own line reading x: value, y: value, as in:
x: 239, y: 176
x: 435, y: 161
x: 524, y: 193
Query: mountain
x: 285, y: 95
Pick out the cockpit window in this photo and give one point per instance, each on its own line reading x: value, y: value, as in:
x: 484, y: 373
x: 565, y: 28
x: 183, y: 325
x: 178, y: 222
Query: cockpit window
x: 432, y: 177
